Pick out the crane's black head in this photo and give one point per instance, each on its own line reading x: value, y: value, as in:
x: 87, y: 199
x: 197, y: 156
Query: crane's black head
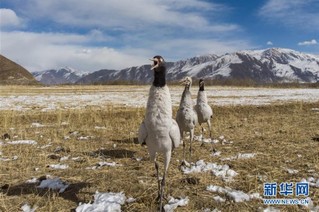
x: 201, y: 85
x: 159, y: 69
x: 187, y: 81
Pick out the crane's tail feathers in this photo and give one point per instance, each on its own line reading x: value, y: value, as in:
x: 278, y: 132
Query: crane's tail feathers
x: 142, y: 134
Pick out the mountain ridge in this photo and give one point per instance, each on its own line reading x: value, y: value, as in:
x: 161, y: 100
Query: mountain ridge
x: 65, y: 75
x: 273, y: 65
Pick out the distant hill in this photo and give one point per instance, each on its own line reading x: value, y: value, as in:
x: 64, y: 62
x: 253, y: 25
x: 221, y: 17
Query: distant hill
x: 13, y: 74
x: 58, y: 76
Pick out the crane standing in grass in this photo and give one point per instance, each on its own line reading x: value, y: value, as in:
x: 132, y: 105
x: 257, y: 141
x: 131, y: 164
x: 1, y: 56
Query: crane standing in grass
x: 204, y: 111
x: 186, y: 116
x: 158, y: 130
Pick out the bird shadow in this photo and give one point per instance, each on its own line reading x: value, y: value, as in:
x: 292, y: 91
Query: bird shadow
x: 70, y: 193
x: 112, y: 153
x: 127, y: 140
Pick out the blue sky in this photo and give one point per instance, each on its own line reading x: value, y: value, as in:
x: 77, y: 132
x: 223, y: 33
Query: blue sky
x: 90, y: 35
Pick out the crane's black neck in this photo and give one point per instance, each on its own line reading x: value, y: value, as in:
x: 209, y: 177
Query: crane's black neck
x: 201, y: 87
x: 159, y: 76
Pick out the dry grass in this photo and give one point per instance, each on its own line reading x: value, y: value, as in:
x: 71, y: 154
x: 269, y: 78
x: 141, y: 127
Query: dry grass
x: 277, y: 134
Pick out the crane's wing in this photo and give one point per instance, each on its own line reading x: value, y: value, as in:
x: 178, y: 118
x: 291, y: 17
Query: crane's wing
x: 179, y: 117
x: 142, y: 134
x: 175, y: 134
x: 195, y: 119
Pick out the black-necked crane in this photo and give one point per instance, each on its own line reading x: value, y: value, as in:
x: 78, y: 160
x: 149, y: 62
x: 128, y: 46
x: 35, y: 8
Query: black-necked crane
x: 159, y: 130
x: 204, y: 111
x: 186, y: 116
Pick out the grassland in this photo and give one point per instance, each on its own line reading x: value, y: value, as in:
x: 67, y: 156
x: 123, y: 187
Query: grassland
x: 281, y: 136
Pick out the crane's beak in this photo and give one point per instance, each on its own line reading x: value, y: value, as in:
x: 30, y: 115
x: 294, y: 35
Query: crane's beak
x: 154, y: 66
x: 201, y: 83
x: 182, y: 81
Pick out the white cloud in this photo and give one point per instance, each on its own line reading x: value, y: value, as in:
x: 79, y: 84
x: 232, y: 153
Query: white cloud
x: 41, y: 51
x: 117, y: 34
x: 292, y: 13
x: 269, y: 43
x: 308, y: 43
x: 8, y: 18
x: 125, y: 15
x: 185, y: 48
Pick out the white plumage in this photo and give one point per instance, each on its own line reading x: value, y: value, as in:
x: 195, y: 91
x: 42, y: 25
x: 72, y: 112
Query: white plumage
x: 186, y: 116
x: 204, y: 111
x: 159, y: 131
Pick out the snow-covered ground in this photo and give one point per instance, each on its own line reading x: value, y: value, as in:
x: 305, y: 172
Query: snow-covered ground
x: 137, y: 97
x: 113, y: 201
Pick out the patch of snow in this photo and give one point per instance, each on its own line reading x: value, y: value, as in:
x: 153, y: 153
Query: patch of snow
x: 139, y: 159
x: 58, y: 166
x: 240, y: 156
x: 27, y: 208
x: 312, y: 181
x: 35, y: 124
x: 33, y: 180
x: 215, y: 154
x: 108, y: 164
x: 269, y: 209
x: 130, y: 200
x: 5, y: 159
x: 65, y: 158
x: 55, y: 184
x: 45, y: 146
x: 84, y: 138
x: 219, y: 199
x: 292, y: 171
x: 77, y: 158
x: 99, y: 128
x: 209, y: 140
x: 237, y: 196
x: 222, y: 171
x: 118, y: 96
x: 9, y: 159
x: 174, y: 203
x: 103, y: 163
x: 104, y: 202
x: 311, y: 206
x: 31, y: 142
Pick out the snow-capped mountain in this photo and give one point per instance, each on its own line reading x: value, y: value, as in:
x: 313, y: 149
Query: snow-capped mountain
x: 60, y: 76
x: 260, y: 66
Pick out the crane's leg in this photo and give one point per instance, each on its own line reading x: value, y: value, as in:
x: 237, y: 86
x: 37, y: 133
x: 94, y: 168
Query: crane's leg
x: 184, y: 150
x: 210, y: 132
x: 153, y: 158
x: 167, y: 160
x: 162, y: 192
x: 202, y: 135
x: 158, y: 180
x: 191, y: 140
x: 184, y: 145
